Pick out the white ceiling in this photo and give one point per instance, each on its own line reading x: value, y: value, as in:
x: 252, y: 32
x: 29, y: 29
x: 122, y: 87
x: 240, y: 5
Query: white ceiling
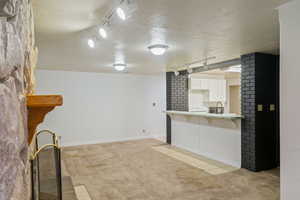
x: 194, y: 29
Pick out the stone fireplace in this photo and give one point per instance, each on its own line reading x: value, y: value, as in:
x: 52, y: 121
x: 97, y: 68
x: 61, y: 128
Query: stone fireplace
x: 17, y: 60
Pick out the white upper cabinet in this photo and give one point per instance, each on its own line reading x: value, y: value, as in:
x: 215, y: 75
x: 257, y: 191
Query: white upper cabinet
x: 215, y: 87
x: 195, y: 84
x: 199, y: 84
x: 218, y: 91
x: 205, y: 83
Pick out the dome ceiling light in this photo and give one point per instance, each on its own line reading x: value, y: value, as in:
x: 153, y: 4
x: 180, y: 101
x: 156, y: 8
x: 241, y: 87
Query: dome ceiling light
x: 158, y: 49
x: 119, y: 66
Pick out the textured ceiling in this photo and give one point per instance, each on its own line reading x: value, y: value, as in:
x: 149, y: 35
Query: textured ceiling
x: 194, y: 29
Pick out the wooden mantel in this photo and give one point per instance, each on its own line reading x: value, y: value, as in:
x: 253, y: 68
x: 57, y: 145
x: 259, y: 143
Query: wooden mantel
x: 38, y: 106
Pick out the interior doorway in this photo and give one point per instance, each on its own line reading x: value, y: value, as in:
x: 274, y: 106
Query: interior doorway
x: 235, y: 99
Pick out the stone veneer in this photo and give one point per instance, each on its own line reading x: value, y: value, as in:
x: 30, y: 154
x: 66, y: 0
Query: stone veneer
x: 17, y: 56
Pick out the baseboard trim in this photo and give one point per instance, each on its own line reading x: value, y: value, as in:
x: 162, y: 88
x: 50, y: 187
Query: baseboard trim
x: 70, y: 144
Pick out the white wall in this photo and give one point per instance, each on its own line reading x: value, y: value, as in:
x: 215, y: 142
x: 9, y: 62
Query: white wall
x: 104, y: 107
x: 290, y: 99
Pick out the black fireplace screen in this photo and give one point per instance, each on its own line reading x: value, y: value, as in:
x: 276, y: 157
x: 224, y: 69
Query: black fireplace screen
x: 46, y: 168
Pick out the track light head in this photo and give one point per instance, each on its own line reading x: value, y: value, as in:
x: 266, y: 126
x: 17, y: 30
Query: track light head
x: 121, y: 13
x: 91, y: 43
x: 102, y: 33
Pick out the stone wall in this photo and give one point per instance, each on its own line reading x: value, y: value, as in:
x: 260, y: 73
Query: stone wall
x: 17, y: 57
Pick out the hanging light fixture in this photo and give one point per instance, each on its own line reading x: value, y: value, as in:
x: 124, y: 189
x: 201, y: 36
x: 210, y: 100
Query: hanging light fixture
x: 91, y: 43
x: 158, y: 49
x: 119, y: 66
x: 121, y: 13
x: 102, y: 33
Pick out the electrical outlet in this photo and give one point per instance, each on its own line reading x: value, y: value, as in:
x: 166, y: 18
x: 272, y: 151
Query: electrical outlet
x: 144, y: 132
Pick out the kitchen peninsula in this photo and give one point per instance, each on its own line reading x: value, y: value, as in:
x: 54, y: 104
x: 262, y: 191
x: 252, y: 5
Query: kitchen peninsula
x: 216, y: 136
x: 206, y: 119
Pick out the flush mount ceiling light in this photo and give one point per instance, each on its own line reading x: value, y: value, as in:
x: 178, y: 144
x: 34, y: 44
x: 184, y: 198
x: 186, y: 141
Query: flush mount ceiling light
x: 121, y: 13
x: 91, y: 43
x: 102, y: 33
x: 158, y: 49
x: 119, y: 66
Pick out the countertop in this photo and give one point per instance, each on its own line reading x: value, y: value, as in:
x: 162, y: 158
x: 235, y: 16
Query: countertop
x: 230, y: 116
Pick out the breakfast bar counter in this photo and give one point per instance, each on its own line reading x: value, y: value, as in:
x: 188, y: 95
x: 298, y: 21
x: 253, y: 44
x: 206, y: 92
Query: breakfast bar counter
x: 216, y: 136
x: 230, y: 116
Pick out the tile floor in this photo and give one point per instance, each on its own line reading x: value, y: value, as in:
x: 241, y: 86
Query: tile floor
x: 209, y: 166
x: 151, y: 170
x: 82, y: 193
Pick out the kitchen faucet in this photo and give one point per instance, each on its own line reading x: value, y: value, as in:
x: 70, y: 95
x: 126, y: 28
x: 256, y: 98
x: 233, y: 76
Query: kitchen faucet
x: 220, y: 109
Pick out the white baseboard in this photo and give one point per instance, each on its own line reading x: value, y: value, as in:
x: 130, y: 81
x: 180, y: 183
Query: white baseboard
x: 69, y: 144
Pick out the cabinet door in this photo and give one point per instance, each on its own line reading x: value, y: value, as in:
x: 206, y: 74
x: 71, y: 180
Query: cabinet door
x: 195, y: 84
x: 222, y: 90
x: 205, y: 84
x: 217, y: 90
x: 213, y: 89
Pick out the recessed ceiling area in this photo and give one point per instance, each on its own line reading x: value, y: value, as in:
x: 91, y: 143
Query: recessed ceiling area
x: 193, y: 30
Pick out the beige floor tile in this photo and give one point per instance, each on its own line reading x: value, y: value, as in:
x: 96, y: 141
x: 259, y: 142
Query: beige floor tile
x: 216, y: 171
x: 82, y: 193
x: 197, y: 162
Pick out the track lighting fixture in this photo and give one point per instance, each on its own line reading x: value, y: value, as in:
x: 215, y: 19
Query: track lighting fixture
x: 235, y: 68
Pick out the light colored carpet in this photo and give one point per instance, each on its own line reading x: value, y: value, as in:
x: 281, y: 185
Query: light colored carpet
x: 134, y: 170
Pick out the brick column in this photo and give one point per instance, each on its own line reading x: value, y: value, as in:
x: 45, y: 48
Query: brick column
x: 260, y: 108
x: 177, y: 96
x: 248, y: 111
